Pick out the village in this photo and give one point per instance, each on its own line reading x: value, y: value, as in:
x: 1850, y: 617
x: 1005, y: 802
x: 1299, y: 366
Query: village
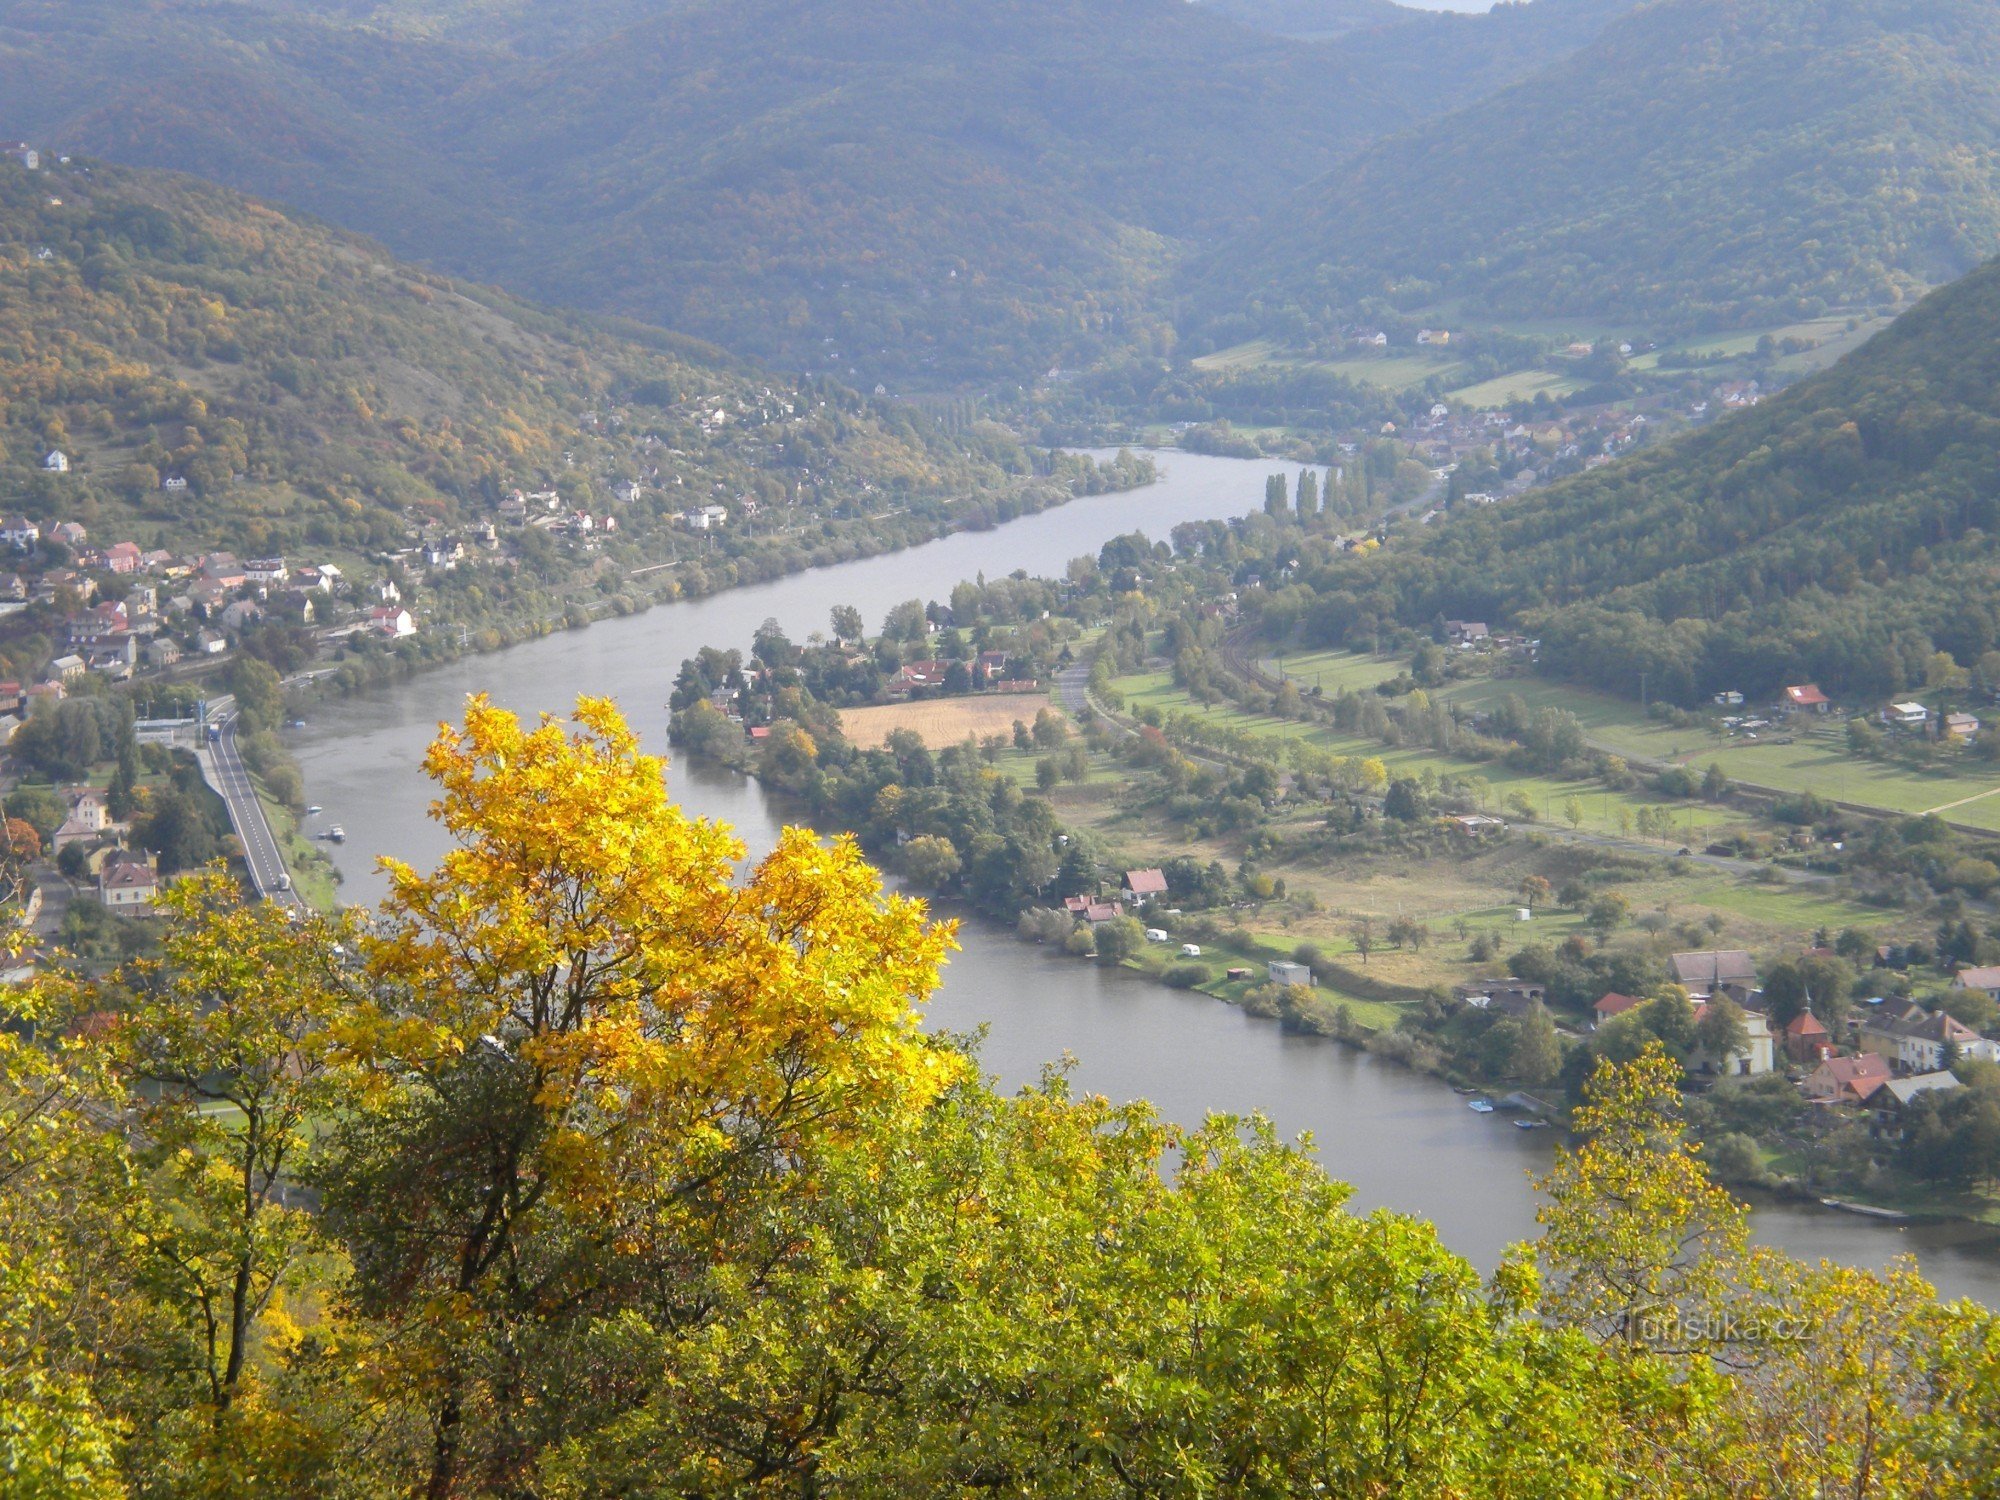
x: 1874, y: 1062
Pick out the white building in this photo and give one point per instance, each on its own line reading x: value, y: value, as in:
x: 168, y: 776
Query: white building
x: 57, y: 462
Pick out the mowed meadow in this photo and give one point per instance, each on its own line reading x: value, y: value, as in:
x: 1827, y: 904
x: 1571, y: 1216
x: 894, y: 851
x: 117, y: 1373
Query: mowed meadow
x: 942, y: 721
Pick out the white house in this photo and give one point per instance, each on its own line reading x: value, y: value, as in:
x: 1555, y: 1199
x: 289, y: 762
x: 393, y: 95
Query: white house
x: 1908, y: 715
x: 57, y: 462
x: 1285, y: 973
x: 20, y: 533
x: 392, y: 621
x: 266, y: 570
x: 708, y: 518
x: 127, y: 885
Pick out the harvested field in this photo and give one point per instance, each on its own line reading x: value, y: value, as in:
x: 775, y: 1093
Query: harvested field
x: 942, y: 721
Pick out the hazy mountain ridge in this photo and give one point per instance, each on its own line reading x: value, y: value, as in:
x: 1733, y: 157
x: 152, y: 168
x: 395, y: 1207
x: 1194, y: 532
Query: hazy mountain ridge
x: 764, y: 175
x: 1702, y: 163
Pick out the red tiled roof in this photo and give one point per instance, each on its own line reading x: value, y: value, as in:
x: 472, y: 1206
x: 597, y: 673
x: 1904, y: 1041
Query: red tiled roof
x: 1615, y: 1004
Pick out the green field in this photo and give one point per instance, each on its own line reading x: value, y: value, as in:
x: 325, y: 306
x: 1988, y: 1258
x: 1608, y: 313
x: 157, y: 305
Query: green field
x: 1815, y: 760
x: 1521, y: 385
x: 1404, y: 368
x: 1599, y: 807
x: 1796, y: 908
x: 1334, y: 670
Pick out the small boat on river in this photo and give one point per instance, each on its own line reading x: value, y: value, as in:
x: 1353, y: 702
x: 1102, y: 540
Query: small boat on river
x: 1480, y: 1106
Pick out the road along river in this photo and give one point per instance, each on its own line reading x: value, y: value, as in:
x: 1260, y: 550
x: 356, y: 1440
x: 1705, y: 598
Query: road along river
x: 1403, y: 1140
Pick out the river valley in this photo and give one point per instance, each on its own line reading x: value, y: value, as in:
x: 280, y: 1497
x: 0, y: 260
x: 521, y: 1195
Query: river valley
x: 1403, y: 1140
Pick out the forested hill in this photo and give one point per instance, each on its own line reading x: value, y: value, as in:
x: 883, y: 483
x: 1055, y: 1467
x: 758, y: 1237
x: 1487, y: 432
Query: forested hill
x: 888, y: 189
x: 1839, y: 532
x: 309, y: 388
x: 1702, y: 163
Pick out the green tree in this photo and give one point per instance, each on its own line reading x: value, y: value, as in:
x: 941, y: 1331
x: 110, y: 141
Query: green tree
x: 1671, y: 1019
x: 930, y: 861
x: 1537, y: 1052
x: 1275, y: 502
x: 259, y: 694
x: 1119, y: 939
x: 1722, y: 1033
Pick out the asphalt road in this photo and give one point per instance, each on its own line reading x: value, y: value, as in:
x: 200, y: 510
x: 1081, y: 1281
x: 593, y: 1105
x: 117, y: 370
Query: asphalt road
x: 224, y: 768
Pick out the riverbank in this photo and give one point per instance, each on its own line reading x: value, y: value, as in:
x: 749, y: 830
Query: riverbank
x: 449, y: 638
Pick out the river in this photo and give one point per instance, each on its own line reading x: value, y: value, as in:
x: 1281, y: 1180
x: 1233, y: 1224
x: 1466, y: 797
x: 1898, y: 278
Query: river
x: 1404, y: 1141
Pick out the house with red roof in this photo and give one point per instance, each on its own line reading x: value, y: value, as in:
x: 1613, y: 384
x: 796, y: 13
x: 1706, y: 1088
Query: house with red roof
x: 1807, y: 695
x: 1615, y: 1004
x: 1846, y: 1080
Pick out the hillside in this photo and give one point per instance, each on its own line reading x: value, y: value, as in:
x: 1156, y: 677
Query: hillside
x: 1702, y: 163
x: 308, y: 388
x: 1839, y: 532
x: 881, y: 188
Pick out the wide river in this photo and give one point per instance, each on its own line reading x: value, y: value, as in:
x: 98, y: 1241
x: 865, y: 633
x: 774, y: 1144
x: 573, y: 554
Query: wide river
x: 1403, y: 1140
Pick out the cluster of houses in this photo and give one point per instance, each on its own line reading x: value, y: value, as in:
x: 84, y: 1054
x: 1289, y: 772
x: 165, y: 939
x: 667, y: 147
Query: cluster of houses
x: 1806, y: 698
x: 989, y: 671
x: 1376, y: 338
x: 1135, y: 888
x: 1894, y: 1051
x: 127, y: 879
x: 170, y: 607
x: 1476, y: 635
x: 1537, y: 450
